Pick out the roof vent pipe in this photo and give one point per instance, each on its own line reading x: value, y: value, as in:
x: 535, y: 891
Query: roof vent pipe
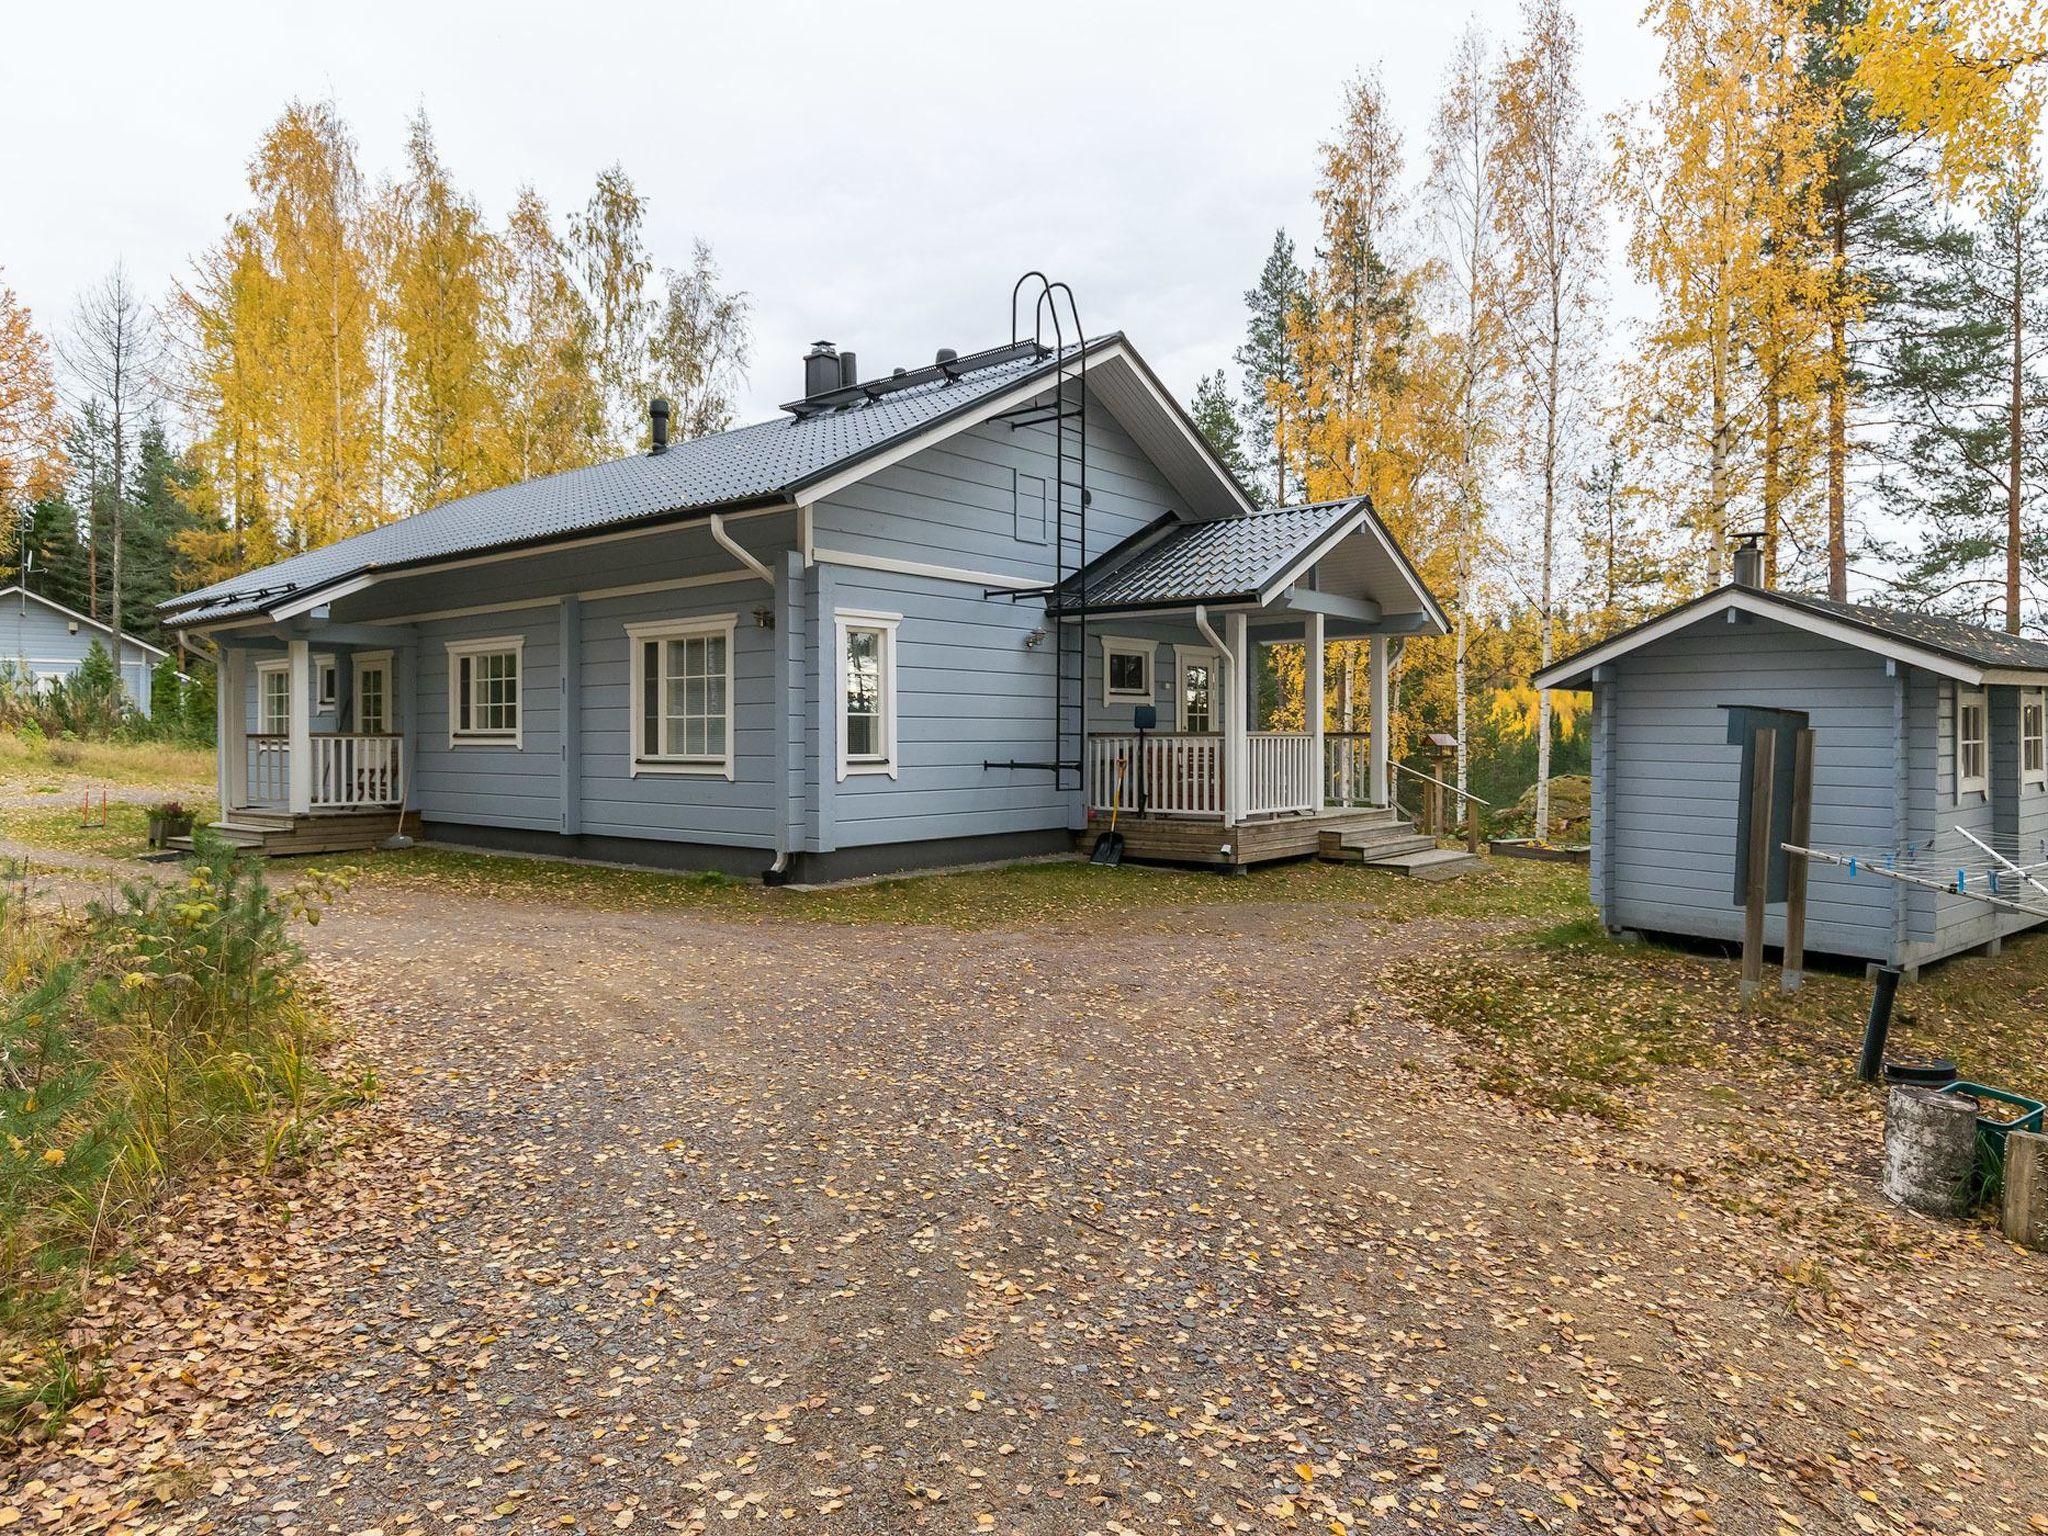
x: 821, y: 369
x: 947, y: 355
x: 1749, y: 561
x: 849, y: 371
x: 657, y: 416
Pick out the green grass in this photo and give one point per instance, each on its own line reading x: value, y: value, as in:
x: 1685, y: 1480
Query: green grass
x: 148, y: 764
x: 1060, y: 894
x: 63, y: 825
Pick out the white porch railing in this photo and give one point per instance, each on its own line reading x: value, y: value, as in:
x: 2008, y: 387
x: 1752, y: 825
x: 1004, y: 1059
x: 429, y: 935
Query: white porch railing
x: 1172, y: 773
x: 350, y: 772
x: 1281, y: 773
x: 1176, y: 773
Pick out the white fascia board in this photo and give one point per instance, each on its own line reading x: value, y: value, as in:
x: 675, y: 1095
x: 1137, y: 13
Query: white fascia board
x: 1575, y: 672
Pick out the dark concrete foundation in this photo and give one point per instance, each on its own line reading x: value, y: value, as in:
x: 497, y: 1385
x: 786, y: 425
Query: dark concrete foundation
x: 754, y: 863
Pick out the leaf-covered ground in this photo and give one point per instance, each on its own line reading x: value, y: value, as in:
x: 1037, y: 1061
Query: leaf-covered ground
x: 1090, y: 1201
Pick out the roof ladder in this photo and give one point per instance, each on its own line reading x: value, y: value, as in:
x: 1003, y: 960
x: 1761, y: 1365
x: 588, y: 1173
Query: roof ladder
x: 1066, y: 414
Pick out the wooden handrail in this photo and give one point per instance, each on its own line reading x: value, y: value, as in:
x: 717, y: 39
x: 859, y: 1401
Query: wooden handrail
x: 1400, y: 767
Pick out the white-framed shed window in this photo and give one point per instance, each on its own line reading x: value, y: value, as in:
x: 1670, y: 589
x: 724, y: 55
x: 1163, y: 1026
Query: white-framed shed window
x: 1973, y: 743
x: 483, y: 691
x: 327, y: 688
x: 1126, y: 670
x: 273, y: 698
x: 2034, y: 738
x: 867, y: 691
x: 682, y: 695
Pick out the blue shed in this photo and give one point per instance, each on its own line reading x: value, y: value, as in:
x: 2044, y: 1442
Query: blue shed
x: 1930, y: 757
x: 42, y: 640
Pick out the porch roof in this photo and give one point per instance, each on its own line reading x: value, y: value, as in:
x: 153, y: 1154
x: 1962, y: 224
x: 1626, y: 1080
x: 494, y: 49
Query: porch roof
x: 1178, y: 564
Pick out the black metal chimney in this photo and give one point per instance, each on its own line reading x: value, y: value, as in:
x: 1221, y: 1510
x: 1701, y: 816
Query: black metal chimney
x: 849, y: 371
x: 657, y: 415
x: 821, y: 369
x: 1749, y: 561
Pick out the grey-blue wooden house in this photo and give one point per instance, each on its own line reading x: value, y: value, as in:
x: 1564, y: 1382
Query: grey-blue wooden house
x: 43, y: 641
x: 946, y: 614
x: 1924, y: 729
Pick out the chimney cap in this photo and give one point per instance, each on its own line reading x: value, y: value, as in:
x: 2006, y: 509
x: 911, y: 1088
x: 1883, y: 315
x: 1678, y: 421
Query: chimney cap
x: 822, y: 349
x: 947, y: 355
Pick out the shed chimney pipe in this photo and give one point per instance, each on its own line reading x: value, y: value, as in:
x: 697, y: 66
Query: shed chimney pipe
x: 1749, y: 561
x: 821, y: 369
x: 657, y: 415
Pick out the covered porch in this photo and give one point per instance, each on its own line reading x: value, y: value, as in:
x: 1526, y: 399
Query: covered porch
x: 1239, y: 684
x: 314, y: 755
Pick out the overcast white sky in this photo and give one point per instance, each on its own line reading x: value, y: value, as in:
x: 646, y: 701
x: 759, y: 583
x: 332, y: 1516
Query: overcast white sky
x: 873, y: 173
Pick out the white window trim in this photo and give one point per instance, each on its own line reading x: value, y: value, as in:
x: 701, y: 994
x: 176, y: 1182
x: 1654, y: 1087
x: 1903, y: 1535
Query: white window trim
x: 637, y: 636
x: 1979, y: 783
x: 1182, y: 655
x: 2034, y: 698
x: 514, y: 738
x: 1124, y: 645
x: 364, y: 661
x: 323, y: 696
x: 843, y: 620
x: 264, y: 669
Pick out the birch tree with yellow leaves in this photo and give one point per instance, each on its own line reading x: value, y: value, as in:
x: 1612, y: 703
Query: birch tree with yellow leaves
x: 31, y: 435
x: 1549, y: 214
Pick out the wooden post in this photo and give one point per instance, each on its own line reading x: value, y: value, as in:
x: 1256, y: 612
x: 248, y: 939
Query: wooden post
x: 1312, y: 702
x: 1471, y: 825
x: 2026, y: 1189
x: 299, y: 725
x: 1381, y: 786
x: 1794, y: 959
x: 1762, y: 775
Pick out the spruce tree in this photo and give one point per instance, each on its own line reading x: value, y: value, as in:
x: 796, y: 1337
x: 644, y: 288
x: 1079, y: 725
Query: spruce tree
x: 1216, y: 414
x: 1267, y: 359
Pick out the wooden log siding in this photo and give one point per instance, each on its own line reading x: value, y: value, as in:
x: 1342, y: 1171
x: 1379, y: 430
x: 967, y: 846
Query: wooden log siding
x: 1671, y: 779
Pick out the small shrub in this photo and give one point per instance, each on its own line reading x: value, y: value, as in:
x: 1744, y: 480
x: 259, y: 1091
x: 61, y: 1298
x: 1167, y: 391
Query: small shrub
x: 167, y: 1031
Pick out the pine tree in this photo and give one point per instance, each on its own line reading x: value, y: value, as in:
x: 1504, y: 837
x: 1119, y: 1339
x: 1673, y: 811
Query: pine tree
x: 1215, y: 413
x: 160, y: 517
x: 1267, y: 363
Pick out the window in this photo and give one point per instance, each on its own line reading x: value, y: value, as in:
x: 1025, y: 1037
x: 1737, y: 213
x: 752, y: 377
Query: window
x: 867, y: 693
x: 682, y: 687
x: 1126, y: 671
x: 1973, y: 769
x: 1196, y: 696
x: 483, y: 691
x: 273, y: 698
x: 2034, y: 738
x: 329, y: 675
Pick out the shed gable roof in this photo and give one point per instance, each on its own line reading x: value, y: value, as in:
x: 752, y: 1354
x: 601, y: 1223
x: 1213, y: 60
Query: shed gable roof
x: 1967, y: 652
x: 127, y: 638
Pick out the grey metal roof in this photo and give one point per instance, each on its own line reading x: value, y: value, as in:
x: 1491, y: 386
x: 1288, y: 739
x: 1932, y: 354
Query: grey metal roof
x: 765, y: 462
x: 1230, y: 558
x: 1950, y: 637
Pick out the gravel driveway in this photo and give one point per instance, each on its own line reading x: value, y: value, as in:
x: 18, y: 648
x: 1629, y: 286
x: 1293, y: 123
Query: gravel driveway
x: 1176, y: 1226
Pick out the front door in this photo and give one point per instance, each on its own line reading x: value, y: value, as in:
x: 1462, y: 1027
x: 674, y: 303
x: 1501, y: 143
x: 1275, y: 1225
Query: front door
x: 1195, y: 690
x: 373, y: 695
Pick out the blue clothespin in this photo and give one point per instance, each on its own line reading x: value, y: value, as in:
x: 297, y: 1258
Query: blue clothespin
x: 1852, y: 866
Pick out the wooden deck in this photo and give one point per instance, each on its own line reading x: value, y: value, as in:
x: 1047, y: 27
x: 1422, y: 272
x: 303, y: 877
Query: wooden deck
x: 276, y: 834
x: 1205, y: 841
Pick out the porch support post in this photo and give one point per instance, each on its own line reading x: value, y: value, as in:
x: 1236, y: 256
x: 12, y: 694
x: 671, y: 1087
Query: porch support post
x: 1312, y: 702
x: 1236, y: 740
x: 299, y: 654
x: 231, y: 710
x: 1378, y: 686
x: 571, y: 617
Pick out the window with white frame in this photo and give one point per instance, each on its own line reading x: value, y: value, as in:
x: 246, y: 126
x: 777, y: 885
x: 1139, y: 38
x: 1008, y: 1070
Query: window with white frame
x: 483, y: 691
x: 273, y: 698
x: 1973, y: 744
x: 328, y: 691
x: 682, y: 691
x: 373, y: 693
x: 1126, y: 670
x: 867, y: 692
x: 2034, y: 738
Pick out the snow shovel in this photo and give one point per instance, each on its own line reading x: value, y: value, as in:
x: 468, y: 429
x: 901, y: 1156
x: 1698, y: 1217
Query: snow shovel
x: 1109, y: 848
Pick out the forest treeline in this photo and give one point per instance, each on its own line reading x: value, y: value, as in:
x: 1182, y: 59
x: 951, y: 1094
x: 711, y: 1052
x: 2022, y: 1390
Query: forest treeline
x: 1834, y: 208
x: 351, y: 351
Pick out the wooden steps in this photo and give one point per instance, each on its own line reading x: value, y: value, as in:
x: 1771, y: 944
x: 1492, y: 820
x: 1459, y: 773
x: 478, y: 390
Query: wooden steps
x: 277, y: 834
x: 1393, y: 845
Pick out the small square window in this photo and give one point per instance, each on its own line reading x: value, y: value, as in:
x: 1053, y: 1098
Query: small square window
x: 1973, y: 745
x: 2033, y: 738
x: 1126, y: 671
